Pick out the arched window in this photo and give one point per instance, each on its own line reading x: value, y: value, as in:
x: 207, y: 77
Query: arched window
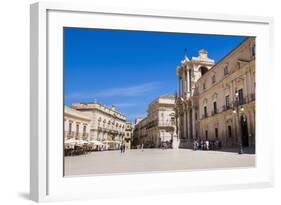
x: 213, y: 79
x: 203, y: 70
x: 226, y: 71
x: 253, y: 50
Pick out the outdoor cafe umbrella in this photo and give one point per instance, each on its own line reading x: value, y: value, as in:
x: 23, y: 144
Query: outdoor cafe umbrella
x: 82, y: 142
x: 96, y: 142
x: 69, y: 143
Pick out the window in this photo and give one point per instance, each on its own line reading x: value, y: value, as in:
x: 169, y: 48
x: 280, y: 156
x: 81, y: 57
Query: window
x: 229, y: 131
x: 203, y: 70
x: 84, y: 130
x: 205, y: 111
x: 77, y: 130
x: 240, y: 96
x: 215, y: 107
x: 225, y: 70
x: 206, y: 134
x: 227, y: 105
x: 213, y: 78
x: 69, y: 127
x: 238, y: 65
x: 204, y: 86
x: 216, y: 133
x: 253, y: 50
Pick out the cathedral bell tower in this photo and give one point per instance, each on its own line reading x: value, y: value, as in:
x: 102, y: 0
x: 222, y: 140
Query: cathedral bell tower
x: 190, y: 71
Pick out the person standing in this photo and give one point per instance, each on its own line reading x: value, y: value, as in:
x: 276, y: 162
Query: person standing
x: 207, y: 144
x: 124, y: 148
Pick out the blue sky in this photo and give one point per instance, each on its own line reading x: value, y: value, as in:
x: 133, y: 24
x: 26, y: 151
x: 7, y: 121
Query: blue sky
x: 130, y: 69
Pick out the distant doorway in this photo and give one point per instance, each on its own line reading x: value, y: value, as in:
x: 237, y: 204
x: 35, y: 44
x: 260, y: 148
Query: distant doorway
x: 244, y: 131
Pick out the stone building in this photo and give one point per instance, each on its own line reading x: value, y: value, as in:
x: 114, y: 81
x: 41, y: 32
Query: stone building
x: 209, y: 95
x: 107, y: 125
x: 139, y: 132
x: 159, y: 126
x: 128, y: 135
x: 76, y: 125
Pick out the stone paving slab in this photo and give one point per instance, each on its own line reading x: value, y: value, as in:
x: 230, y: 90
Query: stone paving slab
x: 154, y: 160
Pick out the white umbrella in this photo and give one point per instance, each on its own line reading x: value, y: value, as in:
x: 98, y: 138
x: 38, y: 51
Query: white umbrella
x: 81, y: 142
x: 96, y: 142
x: 71, y: 141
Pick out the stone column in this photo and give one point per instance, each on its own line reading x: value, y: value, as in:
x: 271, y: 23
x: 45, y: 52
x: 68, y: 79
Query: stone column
x: 188, y: 124
x: 184, y: 82
x: 179, y: 88
x: 246, y: 87
x: 193, y: 124
x: 233, y: 90
x: 185, y: 122
x: 181, y: 84
x: 189, y: 82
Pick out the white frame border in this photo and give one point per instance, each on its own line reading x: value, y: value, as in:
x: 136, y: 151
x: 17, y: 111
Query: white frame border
x: 39, y: 175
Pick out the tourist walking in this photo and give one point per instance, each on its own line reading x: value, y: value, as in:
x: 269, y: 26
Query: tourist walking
x: 195, y: 145
x: 124, y: 148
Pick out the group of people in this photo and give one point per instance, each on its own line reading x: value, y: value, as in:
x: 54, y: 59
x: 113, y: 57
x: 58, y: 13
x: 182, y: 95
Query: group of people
x: 206, y: 144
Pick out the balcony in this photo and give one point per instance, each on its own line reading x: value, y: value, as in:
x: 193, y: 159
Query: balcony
x: 151, y: 124
x: 165, y: 123
x: 241, y: 101
x: 226, y: 107
x: 214, y: 112
x: 204, y: 116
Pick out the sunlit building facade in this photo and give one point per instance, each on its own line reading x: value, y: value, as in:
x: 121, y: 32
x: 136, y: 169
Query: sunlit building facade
x: 209, y: 96
x: 159, y: 126
x: 76, y: 125
x: 107, y: 125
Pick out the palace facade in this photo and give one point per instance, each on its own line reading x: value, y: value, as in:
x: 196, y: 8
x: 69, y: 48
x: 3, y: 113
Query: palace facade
x: 159, y: 126
x: 106, y: 125
x: 76, y: 125
x: 217, y: 101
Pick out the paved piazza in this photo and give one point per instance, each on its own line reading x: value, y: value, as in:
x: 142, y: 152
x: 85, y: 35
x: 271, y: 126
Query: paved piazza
x: 108, y: 162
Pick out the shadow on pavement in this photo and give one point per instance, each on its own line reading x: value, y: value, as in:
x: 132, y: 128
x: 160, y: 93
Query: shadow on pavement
x: 246, y: 150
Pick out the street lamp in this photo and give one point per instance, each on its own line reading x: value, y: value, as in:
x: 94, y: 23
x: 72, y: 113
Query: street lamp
x: 237, y: 110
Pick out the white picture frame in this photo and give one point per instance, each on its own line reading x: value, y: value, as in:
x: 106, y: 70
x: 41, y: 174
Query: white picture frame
x: 46, y: 151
